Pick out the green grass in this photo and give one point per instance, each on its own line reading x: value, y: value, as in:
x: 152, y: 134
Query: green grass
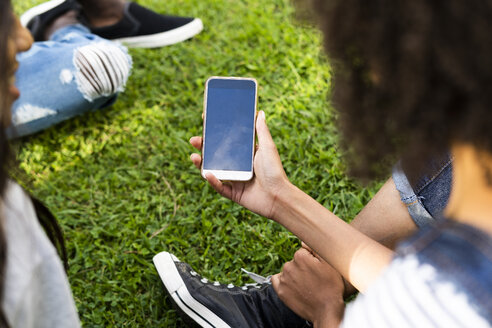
x: 121, y: 184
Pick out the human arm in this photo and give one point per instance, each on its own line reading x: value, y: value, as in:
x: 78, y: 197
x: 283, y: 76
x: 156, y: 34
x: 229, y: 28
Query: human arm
x: 356, y: 256
x: 385, y: 219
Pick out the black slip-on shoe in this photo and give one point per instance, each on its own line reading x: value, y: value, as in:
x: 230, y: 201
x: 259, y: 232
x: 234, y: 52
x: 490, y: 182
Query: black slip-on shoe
x: 143, y: 28
x: 211, y: 304
x: 39, y: 17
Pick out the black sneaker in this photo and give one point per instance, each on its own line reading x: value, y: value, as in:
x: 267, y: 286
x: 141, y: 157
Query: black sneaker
x: 211, y: 304
x: 38, y: 18
x: 143, y: 28
x: 139, y: 27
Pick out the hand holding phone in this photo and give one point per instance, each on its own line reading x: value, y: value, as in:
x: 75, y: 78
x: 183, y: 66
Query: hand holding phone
x: 258, y: 194
x: 229, y: 128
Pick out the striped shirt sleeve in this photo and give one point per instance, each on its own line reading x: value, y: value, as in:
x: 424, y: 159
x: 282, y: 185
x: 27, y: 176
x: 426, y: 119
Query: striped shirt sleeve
x: 412, y: 294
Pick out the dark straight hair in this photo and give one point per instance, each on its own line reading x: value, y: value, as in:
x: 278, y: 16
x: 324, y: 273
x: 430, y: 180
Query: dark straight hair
x: 45, y: 217
x: 6, y: 24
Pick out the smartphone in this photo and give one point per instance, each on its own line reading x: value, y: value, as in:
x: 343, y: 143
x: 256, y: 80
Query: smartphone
x: 229, y: 127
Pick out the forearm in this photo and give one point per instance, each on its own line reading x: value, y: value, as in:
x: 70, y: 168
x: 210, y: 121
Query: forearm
x: 357, y: 257
x: 385, y: 218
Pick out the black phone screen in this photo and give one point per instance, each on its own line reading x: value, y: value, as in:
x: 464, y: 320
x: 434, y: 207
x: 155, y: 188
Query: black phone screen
x: 229, y: 125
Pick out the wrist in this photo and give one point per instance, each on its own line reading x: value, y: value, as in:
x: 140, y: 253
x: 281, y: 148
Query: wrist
x: 281, y: 199
x: 331, y: 316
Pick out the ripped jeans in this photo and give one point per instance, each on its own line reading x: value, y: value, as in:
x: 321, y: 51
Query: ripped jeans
x: 72, y: 73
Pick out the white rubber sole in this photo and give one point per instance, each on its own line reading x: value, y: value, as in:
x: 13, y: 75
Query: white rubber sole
x: 38, y: 10
x: 164, y: 263
x: 163, y: 39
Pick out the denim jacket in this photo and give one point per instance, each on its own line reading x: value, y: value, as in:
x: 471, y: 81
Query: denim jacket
x: 462, y: 255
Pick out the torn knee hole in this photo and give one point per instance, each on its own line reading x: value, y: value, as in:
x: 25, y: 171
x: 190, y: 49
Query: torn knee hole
x: 102, y: 69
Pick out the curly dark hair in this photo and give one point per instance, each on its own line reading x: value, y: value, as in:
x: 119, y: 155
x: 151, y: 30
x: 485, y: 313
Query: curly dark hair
x: 411, y: 78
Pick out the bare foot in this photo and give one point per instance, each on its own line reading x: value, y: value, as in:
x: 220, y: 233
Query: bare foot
x: 68, y: 18
x: 102, y: 13
x: 104, y: 21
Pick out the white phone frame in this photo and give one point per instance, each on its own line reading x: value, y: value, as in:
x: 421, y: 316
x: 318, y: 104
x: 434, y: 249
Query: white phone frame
x: 227, y: 174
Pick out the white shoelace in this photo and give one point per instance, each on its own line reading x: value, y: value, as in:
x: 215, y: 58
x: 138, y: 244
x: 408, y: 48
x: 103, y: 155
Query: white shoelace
x: 257, y: 278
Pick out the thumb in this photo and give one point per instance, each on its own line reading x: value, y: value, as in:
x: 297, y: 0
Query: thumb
x: 276, y: 281
x: 264, y: 136
x: 310, y: 250
x: 304, y: 245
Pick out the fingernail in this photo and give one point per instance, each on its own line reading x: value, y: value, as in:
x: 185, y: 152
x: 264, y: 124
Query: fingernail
x: 262, y: 113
